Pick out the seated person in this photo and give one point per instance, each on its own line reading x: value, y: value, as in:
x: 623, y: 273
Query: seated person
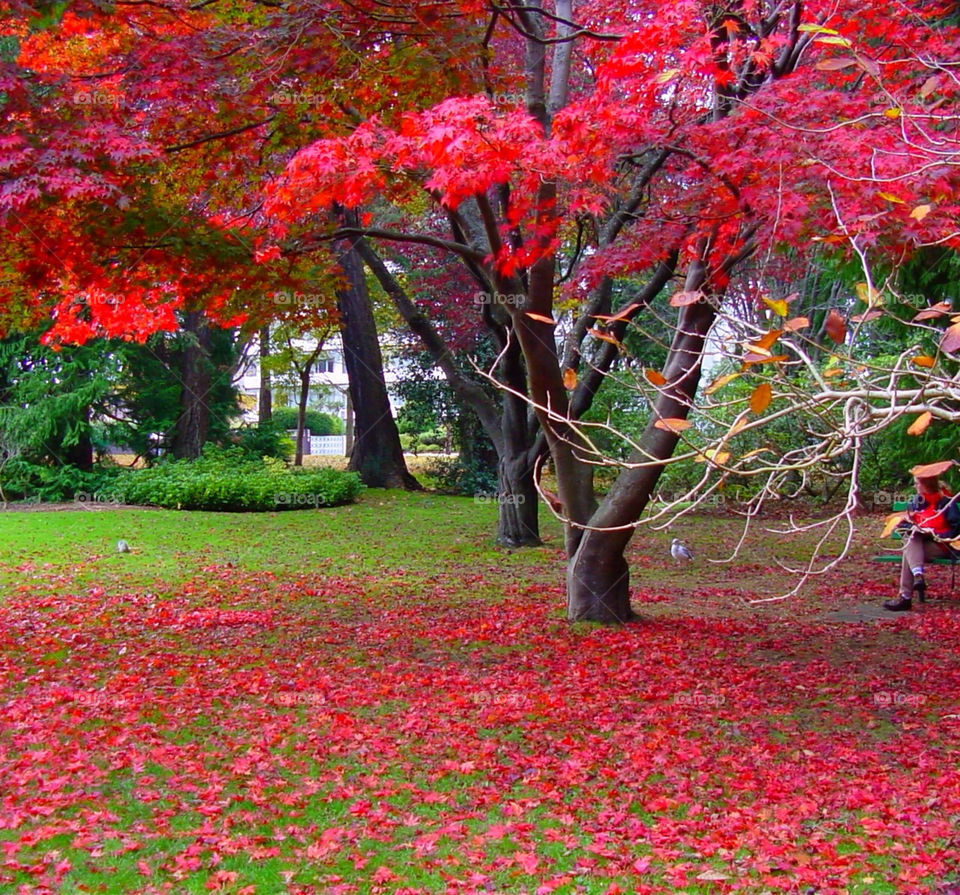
x: 933, y: 517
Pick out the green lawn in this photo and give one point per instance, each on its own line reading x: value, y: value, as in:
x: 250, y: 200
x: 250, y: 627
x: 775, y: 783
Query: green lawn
x: 376, y: 698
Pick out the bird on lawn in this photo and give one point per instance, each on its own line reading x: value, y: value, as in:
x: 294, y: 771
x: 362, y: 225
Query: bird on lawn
x: 680, y: 551
x: 123, y: 546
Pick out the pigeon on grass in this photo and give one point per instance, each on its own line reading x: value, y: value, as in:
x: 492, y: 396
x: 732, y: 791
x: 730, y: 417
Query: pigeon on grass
x: 680, y: 551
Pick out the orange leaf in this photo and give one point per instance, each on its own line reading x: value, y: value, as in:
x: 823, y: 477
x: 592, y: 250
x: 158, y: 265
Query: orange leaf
x: 680, y: 299
x: 672, y: 424
x: 570, y: 379
x: 920, y: 212
x: 836, y: 64
x: 606, y: 337
x: 832, y: 372
x: 923, y: 360
x: 655, y: 377
x: 765, y: 343
x: 760, y: 399
x: 951, y: 338
x: 749, y: 359
x: 937, y: 310
x: 835, y: 327
x: 795, y: 323
x: 541, y: 318
x: 625, y: 312
x: 919, y: 425
x: 869, y: 315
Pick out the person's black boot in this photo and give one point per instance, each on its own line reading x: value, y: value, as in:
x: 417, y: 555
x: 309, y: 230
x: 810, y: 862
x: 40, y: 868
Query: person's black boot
x: 901, y: 604
x: 920, y: 586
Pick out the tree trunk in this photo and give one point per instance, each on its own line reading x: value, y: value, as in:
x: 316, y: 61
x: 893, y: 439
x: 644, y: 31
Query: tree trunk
x: 193, y: 424
x: 377, y: 454
x: 265, y: 408
x: 598, y: 580
x: 518, y: 517
x: 302, y: 413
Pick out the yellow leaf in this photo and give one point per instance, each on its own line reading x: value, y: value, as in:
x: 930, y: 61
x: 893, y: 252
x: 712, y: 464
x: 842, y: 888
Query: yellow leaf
x: 891, y: 522
x: 672, y: 424
x: 718, y: 384
x: 760, y: 399
x: 541, y: 318
x: 795, y: 323
x: 777, y: 305
x: 919, y: 425
x: 891, y: 198
x: 655, y: 377
x: 816, y: 29
x: 570, y: 379
x: 834, y: 41
x: 920, y: 212
x: 923, y: 360
x: 892, y: 113
x: 667, y: 75
x: 868, y: 295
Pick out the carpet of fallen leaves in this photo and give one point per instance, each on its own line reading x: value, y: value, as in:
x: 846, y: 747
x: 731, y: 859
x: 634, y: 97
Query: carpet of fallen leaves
x: 255, y: 733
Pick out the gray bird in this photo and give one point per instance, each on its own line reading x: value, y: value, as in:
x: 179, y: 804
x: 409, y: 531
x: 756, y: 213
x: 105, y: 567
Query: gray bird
x: 123, y: 546
x: 680, y: 551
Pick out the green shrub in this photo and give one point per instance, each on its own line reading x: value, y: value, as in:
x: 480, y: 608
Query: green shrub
x: 318, y: 423
x: 229, y: 480
x: 264, y: 440
x: 25, y: 480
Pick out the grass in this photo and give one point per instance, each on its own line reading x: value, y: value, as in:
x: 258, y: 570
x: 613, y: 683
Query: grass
x: 376, y: 698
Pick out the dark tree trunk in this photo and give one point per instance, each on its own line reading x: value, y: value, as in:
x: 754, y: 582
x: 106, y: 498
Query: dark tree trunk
x: 518, y: 518
x: 377, y: 454
x: 265, y: 409
x: 193, y: 424
x: 80, y: 453
x: 598, y: 577
x: 511, y: 428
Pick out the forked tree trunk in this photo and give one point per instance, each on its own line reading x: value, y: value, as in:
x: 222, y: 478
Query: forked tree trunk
x: 598, y: 577
x: 518, y: 517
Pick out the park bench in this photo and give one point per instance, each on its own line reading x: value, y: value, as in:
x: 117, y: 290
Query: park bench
x: 899, y: 507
